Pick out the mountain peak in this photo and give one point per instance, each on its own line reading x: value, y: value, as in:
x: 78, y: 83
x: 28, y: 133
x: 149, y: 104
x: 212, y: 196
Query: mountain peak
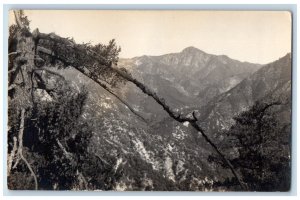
x: 191, y: 49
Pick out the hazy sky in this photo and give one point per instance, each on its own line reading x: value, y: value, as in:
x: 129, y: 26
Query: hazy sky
x: 258, y: 37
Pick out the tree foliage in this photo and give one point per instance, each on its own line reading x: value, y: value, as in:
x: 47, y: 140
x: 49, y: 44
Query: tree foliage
x: 261, y: 146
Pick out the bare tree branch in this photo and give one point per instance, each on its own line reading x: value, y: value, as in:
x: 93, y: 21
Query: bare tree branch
x: 20, y: 138
x: 31, y: 170
x: 70, y: 157
x: 66, y: 153
x: 11, y: 156
x: 20, y: 149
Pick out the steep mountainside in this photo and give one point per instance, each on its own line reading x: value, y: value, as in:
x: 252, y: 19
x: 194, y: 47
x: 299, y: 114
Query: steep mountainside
x: 190, y: 78
x: 146, y: 158
x: 270, y: 83
x: 164, y: 155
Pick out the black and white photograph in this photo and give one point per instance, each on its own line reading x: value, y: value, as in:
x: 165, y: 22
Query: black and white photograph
x: 149, y: 100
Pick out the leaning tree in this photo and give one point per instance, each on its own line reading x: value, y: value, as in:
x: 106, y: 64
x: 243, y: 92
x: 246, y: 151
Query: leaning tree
x: 32, y: 53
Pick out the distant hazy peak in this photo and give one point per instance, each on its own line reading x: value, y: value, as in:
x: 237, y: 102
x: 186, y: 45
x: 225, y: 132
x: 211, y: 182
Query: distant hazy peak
x: 191, y: 49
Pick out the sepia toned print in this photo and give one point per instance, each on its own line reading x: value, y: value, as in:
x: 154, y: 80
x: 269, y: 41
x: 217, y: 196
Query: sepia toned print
x: 149, y: 100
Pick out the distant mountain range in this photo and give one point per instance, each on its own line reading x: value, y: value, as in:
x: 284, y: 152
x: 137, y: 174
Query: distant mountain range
x: 162, y: 154
x: 190, y: 78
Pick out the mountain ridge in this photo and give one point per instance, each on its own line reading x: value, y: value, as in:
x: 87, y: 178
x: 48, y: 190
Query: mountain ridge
x: 190, y: 49
x: 193, y: 75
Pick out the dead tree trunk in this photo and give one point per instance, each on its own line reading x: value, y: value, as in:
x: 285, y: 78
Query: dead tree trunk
x: 20, y: 86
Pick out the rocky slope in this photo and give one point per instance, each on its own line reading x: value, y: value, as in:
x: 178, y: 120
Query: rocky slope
x: 146, y: 158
